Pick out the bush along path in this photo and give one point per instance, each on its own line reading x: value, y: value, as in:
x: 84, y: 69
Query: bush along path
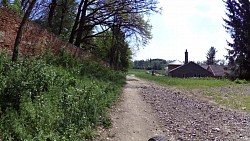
x: 55, y: 98
x: 146, y: 110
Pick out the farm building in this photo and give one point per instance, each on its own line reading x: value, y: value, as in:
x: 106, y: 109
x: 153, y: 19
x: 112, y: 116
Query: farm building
x: 174, y: 64
x: 219, y: 71
x: 191, y: 69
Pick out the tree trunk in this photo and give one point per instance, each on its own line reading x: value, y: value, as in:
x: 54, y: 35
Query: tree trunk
x: 81, y: 24
x: 51, y: 12
x: 73, y: 31
x: 20, y: 30
x: 64, y: 9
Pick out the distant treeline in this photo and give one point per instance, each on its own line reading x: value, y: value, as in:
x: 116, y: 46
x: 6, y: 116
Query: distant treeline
x: 156, y: 64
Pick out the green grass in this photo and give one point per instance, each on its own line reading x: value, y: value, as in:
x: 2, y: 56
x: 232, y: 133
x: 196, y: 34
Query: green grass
x: 232, y: 100
x: 229, y: 99
x: 188, y: 83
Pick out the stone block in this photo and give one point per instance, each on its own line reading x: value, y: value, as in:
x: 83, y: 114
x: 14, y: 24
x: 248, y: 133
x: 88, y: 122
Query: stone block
x: 2, y: 33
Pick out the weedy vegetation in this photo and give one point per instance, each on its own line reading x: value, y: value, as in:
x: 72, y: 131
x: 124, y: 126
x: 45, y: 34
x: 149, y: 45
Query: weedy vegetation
x: 55, y: 97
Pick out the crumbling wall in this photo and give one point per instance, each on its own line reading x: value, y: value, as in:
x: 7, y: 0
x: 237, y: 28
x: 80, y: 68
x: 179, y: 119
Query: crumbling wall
x: 35, y: 39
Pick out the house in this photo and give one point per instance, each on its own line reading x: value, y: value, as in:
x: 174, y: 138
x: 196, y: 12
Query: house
x: 174, y: 64
x: 189, y: 69
x: 219, y: 71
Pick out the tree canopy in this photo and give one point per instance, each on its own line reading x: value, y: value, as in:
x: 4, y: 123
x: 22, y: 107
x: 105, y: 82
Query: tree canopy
x: 211, y: 56
x: 237, y: 24
x: 82, y: 22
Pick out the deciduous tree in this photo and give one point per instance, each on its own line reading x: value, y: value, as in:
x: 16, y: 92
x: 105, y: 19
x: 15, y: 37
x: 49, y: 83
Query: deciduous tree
x: 20, y: 30
x: 101, y: 16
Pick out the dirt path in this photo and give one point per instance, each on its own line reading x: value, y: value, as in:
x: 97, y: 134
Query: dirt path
x: 133, y: 118
x: 147, y: 109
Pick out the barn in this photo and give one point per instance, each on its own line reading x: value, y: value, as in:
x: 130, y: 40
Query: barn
x: 189, y: 69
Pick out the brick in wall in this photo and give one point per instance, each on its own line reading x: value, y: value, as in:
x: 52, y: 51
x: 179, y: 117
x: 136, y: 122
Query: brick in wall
x: 35, y: 38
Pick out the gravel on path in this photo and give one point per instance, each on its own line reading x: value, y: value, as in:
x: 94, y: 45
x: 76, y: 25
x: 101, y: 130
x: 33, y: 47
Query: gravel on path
x: 189, y: 117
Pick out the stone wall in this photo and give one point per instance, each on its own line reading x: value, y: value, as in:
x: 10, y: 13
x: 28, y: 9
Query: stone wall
x: 35, y: 39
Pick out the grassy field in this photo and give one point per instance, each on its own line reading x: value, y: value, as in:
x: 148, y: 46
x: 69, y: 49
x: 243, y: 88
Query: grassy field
x: 235, y: 96
x: 189, y: 83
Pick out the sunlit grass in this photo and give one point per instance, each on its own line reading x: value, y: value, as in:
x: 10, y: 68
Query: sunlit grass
x: 187, y: 83
x: 233, y: 100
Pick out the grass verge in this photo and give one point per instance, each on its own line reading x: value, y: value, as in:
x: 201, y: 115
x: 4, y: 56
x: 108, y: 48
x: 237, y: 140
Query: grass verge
x: 187, y: 83
x: 235, y: 100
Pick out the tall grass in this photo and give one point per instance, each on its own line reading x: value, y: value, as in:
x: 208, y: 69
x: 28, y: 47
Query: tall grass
x: 187, y: 83
x: 55, y: 97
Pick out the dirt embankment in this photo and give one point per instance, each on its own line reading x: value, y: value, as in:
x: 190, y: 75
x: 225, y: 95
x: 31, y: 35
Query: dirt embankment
x: 146, y: 110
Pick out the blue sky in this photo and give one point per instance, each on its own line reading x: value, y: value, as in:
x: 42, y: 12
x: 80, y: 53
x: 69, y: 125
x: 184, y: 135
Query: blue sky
x: 195, y: 25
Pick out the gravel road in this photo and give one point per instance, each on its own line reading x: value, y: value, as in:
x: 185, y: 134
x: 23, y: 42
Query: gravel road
x: 189, y: 117
x: 147, y: 109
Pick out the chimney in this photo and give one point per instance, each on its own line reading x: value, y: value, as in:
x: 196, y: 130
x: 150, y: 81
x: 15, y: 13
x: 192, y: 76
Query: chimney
x: 186, y: 57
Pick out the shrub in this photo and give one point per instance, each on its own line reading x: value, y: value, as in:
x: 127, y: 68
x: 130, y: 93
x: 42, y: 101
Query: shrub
x: 240, y: 81
x: 46, y: 99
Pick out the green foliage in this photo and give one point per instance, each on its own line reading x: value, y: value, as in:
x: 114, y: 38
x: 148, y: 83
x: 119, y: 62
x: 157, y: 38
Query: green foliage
x: 16, y: 7
x: 100, y: 72
x: 103, y: 46
x: 157, y: 64
x: 240, y: 81
x: 54, y: 99
x: 237, y: 24
x: 211, y: 56
x: 5, y: 2
x: 62, y: 18
x: 64, y: 59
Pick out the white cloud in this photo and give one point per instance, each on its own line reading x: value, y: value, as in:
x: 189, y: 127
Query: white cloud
x: 195, y: 25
